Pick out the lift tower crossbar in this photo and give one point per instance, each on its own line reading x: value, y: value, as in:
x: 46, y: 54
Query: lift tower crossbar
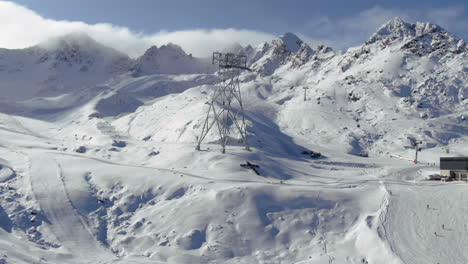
x: 225, y: 107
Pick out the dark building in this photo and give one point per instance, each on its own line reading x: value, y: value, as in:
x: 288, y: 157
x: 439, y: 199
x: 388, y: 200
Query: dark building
x: 455, y: 168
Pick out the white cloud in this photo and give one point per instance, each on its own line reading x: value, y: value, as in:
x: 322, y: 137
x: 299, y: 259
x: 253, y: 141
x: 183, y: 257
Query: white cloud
x: 21, y: 27
x: 206, y: 41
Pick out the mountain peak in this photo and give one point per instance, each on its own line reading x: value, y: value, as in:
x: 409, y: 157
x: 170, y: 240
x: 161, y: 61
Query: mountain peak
x: 167, y: 59
x: 395, y: 22
x: 419, y: 38
x: 171, y: 47
x: 72, y: 39
x: 392, y: 29
x: 291, y: 41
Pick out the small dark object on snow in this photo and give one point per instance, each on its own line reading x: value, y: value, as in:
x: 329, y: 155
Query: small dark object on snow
x: 316, y: 155
x: 436, y: 177
x: 94, y: 115
x: 33, y: 213
x: 251, y: 166
x: 81, y: 149
x: 100, y: 201
x: 312, y: 154
x: 114, y: 149
x: 119, y: 144
x: 364, y: 155
x: 153, y: 153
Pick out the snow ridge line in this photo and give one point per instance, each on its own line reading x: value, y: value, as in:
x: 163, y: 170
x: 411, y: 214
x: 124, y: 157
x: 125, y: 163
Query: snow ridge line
x: 383, y: 209
x: 383, y: 216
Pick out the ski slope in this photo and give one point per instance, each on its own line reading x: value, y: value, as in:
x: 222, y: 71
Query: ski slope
x: 109, y: 173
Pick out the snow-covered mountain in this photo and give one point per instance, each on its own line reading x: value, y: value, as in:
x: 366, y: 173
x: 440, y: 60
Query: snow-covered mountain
x: 288, y: 49
x: 169, y: 59
x: 59, y: 66
x: 97, y: 159
x: 363, y: 95
x: 419, y: 38
x: 383, y: 81
x: 65, y: 72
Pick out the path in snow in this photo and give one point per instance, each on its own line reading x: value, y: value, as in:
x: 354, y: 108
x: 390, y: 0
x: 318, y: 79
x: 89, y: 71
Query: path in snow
x: 65, y: 222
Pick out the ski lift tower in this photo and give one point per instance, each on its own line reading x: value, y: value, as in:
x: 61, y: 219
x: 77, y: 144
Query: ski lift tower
x: 225, y: 107
x: 417, y: 148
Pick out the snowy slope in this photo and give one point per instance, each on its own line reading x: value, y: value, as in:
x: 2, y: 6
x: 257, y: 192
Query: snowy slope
x: 103, y: 169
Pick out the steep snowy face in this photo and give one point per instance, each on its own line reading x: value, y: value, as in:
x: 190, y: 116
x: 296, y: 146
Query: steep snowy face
x: 58, y: 66
x: 430, y: 38
x: 168, y: 59
x: 288, y: 49
x: 421, y: 62
x: 419, y: 38
x: 394, y: 30
x: 302, y: 55
x: 289, y: 41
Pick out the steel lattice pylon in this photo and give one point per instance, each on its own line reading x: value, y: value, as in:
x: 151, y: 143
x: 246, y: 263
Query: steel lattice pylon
x: 225, y: 107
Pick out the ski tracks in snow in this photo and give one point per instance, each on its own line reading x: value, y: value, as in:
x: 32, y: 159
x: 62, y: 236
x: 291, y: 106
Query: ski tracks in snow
x: 47, y: 182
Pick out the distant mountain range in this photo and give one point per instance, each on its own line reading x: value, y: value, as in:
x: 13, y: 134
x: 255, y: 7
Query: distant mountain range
x: 403, y: 70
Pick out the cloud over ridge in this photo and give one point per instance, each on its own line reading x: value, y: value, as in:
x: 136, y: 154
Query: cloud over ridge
x: 22, y: 27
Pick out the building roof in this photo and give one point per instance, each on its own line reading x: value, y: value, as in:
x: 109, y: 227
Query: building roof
x: 454, y: 163
x: 454, y: 158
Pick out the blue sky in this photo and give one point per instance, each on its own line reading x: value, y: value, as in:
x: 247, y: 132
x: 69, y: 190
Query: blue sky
x: 340, y: 24
x: 275, y: 16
